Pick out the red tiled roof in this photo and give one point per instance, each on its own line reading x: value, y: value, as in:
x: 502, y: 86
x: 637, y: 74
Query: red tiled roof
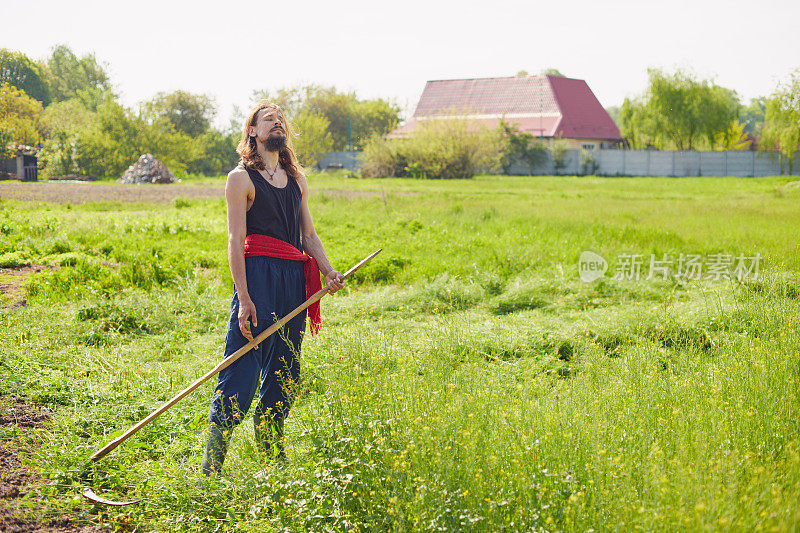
x: 582, y: 115
x: 488, y: 96
x: 563, y: 107
x: 538, y: 126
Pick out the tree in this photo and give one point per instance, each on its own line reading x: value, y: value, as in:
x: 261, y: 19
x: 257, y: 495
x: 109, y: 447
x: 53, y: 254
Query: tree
x: 552, y: 72
x: 678, y: 111
x: 337, y: 108
x: 613, y: 112
x: 782, y: 119
x: 62, y: 122
x: 6, y: 139
x: 345, y: 112
x: 18, y: 70
x: 188, y: 113
x: 291, y: 99
x: 68, y: 74
x: 215, y: 153
x: 116, y: 137
x: 753, y: 116
x: 313, y: 139
x: 734, y: 138
x: 20, y: 115
x: 370, y: 118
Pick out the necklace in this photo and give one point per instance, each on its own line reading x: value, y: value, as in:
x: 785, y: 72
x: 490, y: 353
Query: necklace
x: 271, y: 174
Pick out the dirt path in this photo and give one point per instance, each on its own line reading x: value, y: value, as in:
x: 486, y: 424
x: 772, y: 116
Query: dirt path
x: 78, y: 193
x: 18, y: 480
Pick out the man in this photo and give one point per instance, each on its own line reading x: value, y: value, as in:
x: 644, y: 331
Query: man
x: 269, y: 223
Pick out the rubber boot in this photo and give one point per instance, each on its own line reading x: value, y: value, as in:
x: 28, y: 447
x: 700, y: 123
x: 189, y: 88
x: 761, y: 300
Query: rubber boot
x: 216, y: 448
x: 269, y: 437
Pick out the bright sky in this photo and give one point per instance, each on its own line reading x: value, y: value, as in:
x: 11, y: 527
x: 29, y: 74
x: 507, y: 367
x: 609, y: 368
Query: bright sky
x: 228, y: 49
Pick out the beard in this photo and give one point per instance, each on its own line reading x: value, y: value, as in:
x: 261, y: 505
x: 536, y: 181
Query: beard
x: 275, y: 142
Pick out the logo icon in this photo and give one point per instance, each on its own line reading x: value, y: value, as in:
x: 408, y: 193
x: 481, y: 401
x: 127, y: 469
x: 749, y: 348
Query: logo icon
x: 591, y: 266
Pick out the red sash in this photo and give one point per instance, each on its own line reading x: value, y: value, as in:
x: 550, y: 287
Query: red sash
x: 269, y: 246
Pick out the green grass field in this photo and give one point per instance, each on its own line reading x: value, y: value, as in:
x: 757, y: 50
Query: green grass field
x: 466, y: 380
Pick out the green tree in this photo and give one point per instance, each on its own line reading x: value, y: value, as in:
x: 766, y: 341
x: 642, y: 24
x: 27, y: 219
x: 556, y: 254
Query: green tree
x: 20, y: 115
x: 678, y: 111
x: 18, y: 70
x: 291, y: 99
x: 552, y: 72
x: 62, y: 123
x: 782, y: 120
x: 6, y: 140
x: 215, y: 153
x: 344, y: 111
x: 719, y: 117
x: 313, y: 139
x: 188, y: 113
x: 638, y: 125
x: 69, y: 74
x: 116, y: 137
x: 753, y: 116
x: 734, y: 138
x: 370, y: 118
x: 337, y: 108
x: 613, y: 112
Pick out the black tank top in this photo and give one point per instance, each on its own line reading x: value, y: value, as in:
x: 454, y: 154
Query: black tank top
x: 275, y: 211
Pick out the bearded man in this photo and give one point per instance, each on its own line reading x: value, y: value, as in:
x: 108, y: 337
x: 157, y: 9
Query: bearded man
x: 269, y: 223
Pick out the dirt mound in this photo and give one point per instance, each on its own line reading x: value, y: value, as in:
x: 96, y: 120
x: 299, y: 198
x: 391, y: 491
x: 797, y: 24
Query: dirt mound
x: 147, y: 169
x: 18, y: 480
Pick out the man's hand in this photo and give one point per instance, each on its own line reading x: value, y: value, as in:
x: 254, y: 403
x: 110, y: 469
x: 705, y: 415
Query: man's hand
x: 247, y: 314
x: 334, y: 281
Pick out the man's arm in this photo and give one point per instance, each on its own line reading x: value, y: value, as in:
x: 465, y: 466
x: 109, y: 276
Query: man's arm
x: 313, y: 245
x: 237, y: 189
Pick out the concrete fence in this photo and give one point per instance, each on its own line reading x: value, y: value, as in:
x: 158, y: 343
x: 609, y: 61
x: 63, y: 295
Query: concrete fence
x: 340, y: 160
x: 664, y: 163
x: 610, y: 162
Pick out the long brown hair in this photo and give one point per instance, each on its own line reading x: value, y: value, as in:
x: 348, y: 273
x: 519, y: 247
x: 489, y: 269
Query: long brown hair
x: 248, y: 147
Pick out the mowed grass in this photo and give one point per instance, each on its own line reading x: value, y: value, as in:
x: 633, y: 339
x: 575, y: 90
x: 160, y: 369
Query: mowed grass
x: 466, y: 380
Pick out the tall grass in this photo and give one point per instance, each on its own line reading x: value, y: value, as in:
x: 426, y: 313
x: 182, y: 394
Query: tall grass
x: 466, y: 381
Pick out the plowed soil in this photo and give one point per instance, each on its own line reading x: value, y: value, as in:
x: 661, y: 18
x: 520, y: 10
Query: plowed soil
x: 84, y: 192
x: 18, y: 479
x: 79, y: 193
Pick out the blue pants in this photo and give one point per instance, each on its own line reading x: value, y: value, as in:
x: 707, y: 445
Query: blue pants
x: 276, y: 287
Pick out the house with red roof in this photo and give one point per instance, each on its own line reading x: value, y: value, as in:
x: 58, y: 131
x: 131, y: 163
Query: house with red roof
x: 546, y: 106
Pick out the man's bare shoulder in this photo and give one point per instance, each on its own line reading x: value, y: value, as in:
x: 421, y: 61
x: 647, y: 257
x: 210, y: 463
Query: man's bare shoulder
x: 238, y: 179
x: 301, y: 181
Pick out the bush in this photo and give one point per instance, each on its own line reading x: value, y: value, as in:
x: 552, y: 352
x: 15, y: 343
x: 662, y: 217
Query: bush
x: 519, y: 147
x: 383, y: 158
x: 440, y: 149
x: 558, y: 151
x: 588, y: 163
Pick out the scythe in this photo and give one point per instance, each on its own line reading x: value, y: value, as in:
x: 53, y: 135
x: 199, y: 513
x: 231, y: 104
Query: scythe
x: 89, y: 494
